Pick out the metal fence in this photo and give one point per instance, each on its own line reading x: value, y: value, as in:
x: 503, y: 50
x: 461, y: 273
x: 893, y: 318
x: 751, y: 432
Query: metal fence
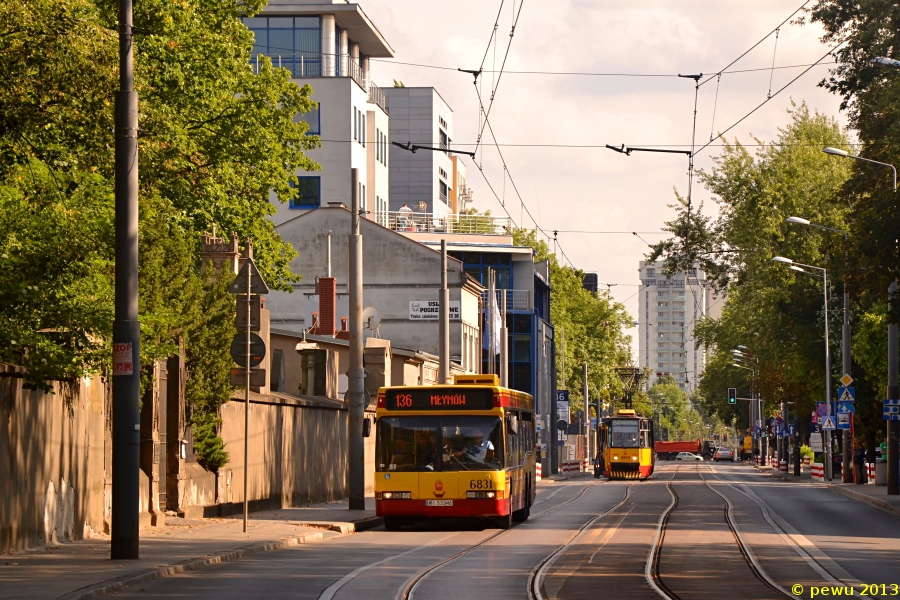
x: 515, y: 299
x: 430, y: 222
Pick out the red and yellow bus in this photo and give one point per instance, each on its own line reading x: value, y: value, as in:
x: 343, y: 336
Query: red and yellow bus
x: 461, y: 450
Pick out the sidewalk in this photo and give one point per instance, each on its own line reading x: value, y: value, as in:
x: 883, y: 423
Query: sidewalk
x: 82, y: 569
x: 873, y: 494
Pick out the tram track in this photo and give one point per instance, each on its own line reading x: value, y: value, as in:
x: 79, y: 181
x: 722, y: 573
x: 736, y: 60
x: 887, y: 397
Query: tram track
x: 408, y: 591
x: 652, y: 570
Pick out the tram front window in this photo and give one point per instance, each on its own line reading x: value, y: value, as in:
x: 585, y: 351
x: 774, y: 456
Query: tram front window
x: 624, y: 434
x: 411, y: 444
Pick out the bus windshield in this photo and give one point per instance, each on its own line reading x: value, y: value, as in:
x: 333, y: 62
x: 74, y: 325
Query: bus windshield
x: 468, y: 443
x: 624, y: 434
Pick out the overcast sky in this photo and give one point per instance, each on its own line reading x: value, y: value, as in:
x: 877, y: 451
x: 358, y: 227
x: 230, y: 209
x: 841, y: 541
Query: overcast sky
x: 595, y: 189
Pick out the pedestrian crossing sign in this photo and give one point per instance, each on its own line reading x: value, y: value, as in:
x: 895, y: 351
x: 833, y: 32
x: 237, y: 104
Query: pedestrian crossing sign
x: 846, y: 394
x: 828, y: 423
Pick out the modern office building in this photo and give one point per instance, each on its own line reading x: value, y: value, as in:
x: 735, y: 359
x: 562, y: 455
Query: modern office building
x: 427, y: 181
x: 328, y: 46
x: 670, y: 308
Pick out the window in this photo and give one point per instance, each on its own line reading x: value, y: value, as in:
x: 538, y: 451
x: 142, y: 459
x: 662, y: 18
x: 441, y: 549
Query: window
x: 411, y: 444
x: 309, y: 191
x: 442, y: 173
x: 355, y: 123
x: 313, y: 119
x: 651, y: 272
x: 444, y: 191
x: 291, y: 42
x: 362, y: 130
x: 442, y: 122
x: 443, y: 139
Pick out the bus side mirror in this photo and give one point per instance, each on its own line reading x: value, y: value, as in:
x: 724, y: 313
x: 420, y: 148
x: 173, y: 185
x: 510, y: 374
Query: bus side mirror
x: 366, y: 427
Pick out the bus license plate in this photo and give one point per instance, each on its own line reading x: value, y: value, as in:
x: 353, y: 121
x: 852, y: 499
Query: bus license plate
x: 439, y: 503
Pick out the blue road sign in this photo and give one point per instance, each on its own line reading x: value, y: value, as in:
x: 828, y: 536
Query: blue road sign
x: 562, y: 395
x: 754, y: 436
x: 846, y: 394
x: 779, y: 421
x: 843, y: 420
x: 821, y: 409
x: 892, y: 410
x: 846, y: 407
x: 778, y: 429
x: 828, y: 423
x: 790, y: 429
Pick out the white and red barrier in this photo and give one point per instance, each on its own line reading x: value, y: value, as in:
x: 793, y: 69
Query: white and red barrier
x: 538, y: 472
x: 804, y: 464
x: 782, y: 466
x: 818, y: 472
x: 571, y: 466
x: 870, y: 471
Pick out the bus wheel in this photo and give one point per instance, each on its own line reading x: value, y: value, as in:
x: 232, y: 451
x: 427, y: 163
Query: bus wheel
x: 393, y: 523
x: 506, y: 521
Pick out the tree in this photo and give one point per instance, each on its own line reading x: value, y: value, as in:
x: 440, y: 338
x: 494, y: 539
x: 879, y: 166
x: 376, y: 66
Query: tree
x: 593, y: 327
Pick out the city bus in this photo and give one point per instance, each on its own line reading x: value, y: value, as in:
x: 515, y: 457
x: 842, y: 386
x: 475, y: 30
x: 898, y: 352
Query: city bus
x: 625, y: 446
x: 461, y: 450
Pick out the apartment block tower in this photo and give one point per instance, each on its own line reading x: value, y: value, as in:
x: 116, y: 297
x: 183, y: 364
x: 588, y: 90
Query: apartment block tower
x: 670, y: 308
x: 328, y: 44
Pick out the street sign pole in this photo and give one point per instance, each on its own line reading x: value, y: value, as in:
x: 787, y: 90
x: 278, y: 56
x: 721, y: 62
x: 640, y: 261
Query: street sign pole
x: 893, y: 392
x: 845, y: 359
x: 247, y: 390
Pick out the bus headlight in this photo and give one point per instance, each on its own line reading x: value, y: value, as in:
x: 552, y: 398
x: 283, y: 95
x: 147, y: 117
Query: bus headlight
x: 396, y: 495
x: 481, y: 495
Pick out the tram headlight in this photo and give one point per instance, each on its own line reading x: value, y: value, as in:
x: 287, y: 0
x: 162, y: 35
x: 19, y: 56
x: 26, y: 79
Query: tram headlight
x: 634, y: 458
x: 615, y: 457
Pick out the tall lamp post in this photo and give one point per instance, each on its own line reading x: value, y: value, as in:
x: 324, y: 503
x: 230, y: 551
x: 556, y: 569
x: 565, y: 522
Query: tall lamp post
x: 846, y: 359
x: 753, y: 405
x: 893, y: 388
x: 798, y: 267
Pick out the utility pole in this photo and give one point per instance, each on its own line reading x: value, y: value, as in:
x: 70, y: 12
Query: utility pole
x: 587, y: 413
x: 444, y: 329
x: 893, y: 392
x: 552, y: 433
x: 356, y: 375
x: 846, y: 364
x: 247, y: 367
x: 126, y: 380
x: 504, y: 342
x: 490, y: 321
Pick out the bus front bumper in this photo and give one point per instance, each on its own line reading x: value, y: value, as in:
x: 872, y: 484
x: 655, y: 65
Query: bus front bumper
x: 463, y: 507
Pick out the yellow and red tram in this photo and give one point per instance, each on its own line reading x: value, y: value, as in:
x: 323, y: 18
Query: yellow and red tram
x: 625, y: 446
x: 461, y: 450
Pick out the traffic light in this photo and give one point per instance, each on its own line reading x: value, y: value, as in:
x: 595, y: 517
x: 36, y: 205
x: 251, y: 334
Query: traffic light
x: 724, y: 437
x: 732, y: 395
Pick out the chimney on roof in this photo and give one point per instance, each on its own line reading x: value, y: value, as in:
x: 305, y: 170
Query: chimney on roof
x: 326, y: 288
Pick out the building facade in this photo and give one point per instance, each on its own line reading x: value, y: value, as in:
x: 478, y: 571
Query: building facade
x: 427, y: 181
x: 328, y: 46
x: 670, y: 308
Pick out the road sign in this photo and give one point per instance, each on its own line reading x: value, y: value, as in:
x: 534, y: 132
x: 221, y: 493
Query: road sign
x: 828, y: 423
x: 821, y: 409
x: 846, y: 407
x: 239, y: 349
x: 846, y: 380
x: 257, y: 285
x: 815, y: 443
x: 846, y: 394
x: 790, y: 429
x: 759, y: 424
x: 892, y: 410
x: 562, y: 395
x: 239, y: 377
x: 241, y: 321
x: 778, y: 429
x: 779, y: 420
x: 843, y: 420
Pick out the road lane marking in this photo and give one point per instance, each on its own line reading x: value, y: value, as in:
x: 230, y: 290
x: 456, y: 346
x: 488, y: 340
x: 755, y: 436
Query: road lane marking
x: 329, y: 593
x: 561, y: 488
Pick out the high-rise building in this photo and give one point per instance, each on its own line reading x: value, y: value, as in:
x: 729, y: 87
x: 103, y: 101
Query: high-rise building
x: 670, y: 308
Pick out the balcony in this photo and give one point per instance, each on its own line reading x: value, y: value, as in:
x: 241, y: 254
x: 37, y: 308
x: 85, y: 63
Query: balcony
x: 312, y: 64
x: 376, y: 96
x: 409, y: 221
x: 515, y: 300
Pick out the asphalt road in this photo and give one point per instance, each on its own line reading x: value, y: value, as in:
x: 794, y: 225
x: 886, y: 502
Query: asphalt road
x: 694, y: 531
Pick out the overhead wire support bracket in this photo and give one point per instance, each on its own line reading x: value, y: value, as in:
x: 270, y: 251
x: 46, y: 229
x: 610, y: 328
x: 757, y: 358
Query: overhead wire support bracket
x: 413, y: 147
x: 623, y: 149
x: 471, y: 72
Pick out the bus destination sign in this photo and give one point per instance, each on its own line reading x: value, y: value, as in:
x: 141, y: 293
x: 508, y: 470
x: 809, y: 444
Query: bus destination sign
x: 439, y: 398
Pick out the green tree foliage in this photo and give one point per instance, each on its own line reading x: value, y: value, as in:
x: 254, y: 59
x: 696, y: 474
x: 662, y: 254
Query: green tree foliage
x: 217, y: 137
x: 593, y: 326
x: 871, y: 97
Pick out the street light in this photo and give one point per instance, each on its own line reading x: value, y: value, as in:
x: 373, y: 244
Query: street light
x: 738, y: 355
x: 846, y: 361
x: 795, y: 267
x: 893, y: 391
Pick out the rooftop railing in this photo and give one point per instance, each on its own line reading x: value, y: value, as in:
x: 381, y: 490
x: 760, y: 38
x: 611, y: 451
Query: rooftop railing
x: 311, y: 64
x: 376, y: 96
x: 515, y: 299
x: 428, y: 222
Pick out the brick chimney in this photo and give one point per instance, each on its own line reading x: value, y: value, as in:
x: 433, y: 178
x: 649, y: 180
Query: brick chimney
x: 326, y: 288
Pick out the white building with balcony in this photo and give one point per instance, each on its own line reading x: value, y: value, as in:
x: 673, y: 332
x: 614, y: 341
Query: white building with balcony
x: 328, y: 46
x: 669, y: 310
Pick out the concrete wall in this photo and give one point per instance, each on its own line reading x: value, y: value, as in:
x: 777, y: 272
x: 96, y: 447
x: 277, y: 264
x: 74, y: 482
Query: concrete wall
x: 51, y: 462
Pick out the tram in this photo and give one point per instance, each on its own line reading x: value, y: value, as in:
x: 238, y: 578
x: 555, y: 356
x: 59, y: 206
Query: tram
x: 625, y: 446
x: 461, y: 450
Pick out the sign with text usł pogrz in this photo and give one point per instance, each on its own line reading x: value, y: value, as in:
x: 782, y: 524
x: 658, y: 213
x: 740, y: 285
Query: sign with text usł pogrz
x: 430, y: 310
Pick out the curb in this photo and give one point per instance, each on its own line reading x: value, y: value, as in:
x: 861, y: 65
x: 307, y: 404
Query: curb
x: 114, y: 585
x: 866, y: 498
x: 345, y: 527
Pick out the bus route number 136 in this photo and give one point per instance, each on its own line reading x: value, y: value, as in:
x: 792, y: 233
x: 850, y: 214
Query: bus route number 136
x: 404, y: 400
x: 481, y: 484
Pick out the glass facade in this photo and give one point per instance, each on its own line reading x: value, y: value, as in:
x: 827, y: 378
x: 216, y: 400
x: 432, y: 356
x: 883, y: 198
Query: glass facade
x: 291, y: 42
x: 476, y: 264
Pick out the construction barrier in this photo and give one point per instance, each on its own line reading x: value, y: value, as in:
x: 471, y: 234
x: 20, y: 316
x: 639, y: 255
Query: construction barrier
x: 538, y: 472
x: 586, y: 465
x: 818, y: 472
x: 571, y: 466
x: 870, y: 471
x: 782, y: 466
x: 804, y: 464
